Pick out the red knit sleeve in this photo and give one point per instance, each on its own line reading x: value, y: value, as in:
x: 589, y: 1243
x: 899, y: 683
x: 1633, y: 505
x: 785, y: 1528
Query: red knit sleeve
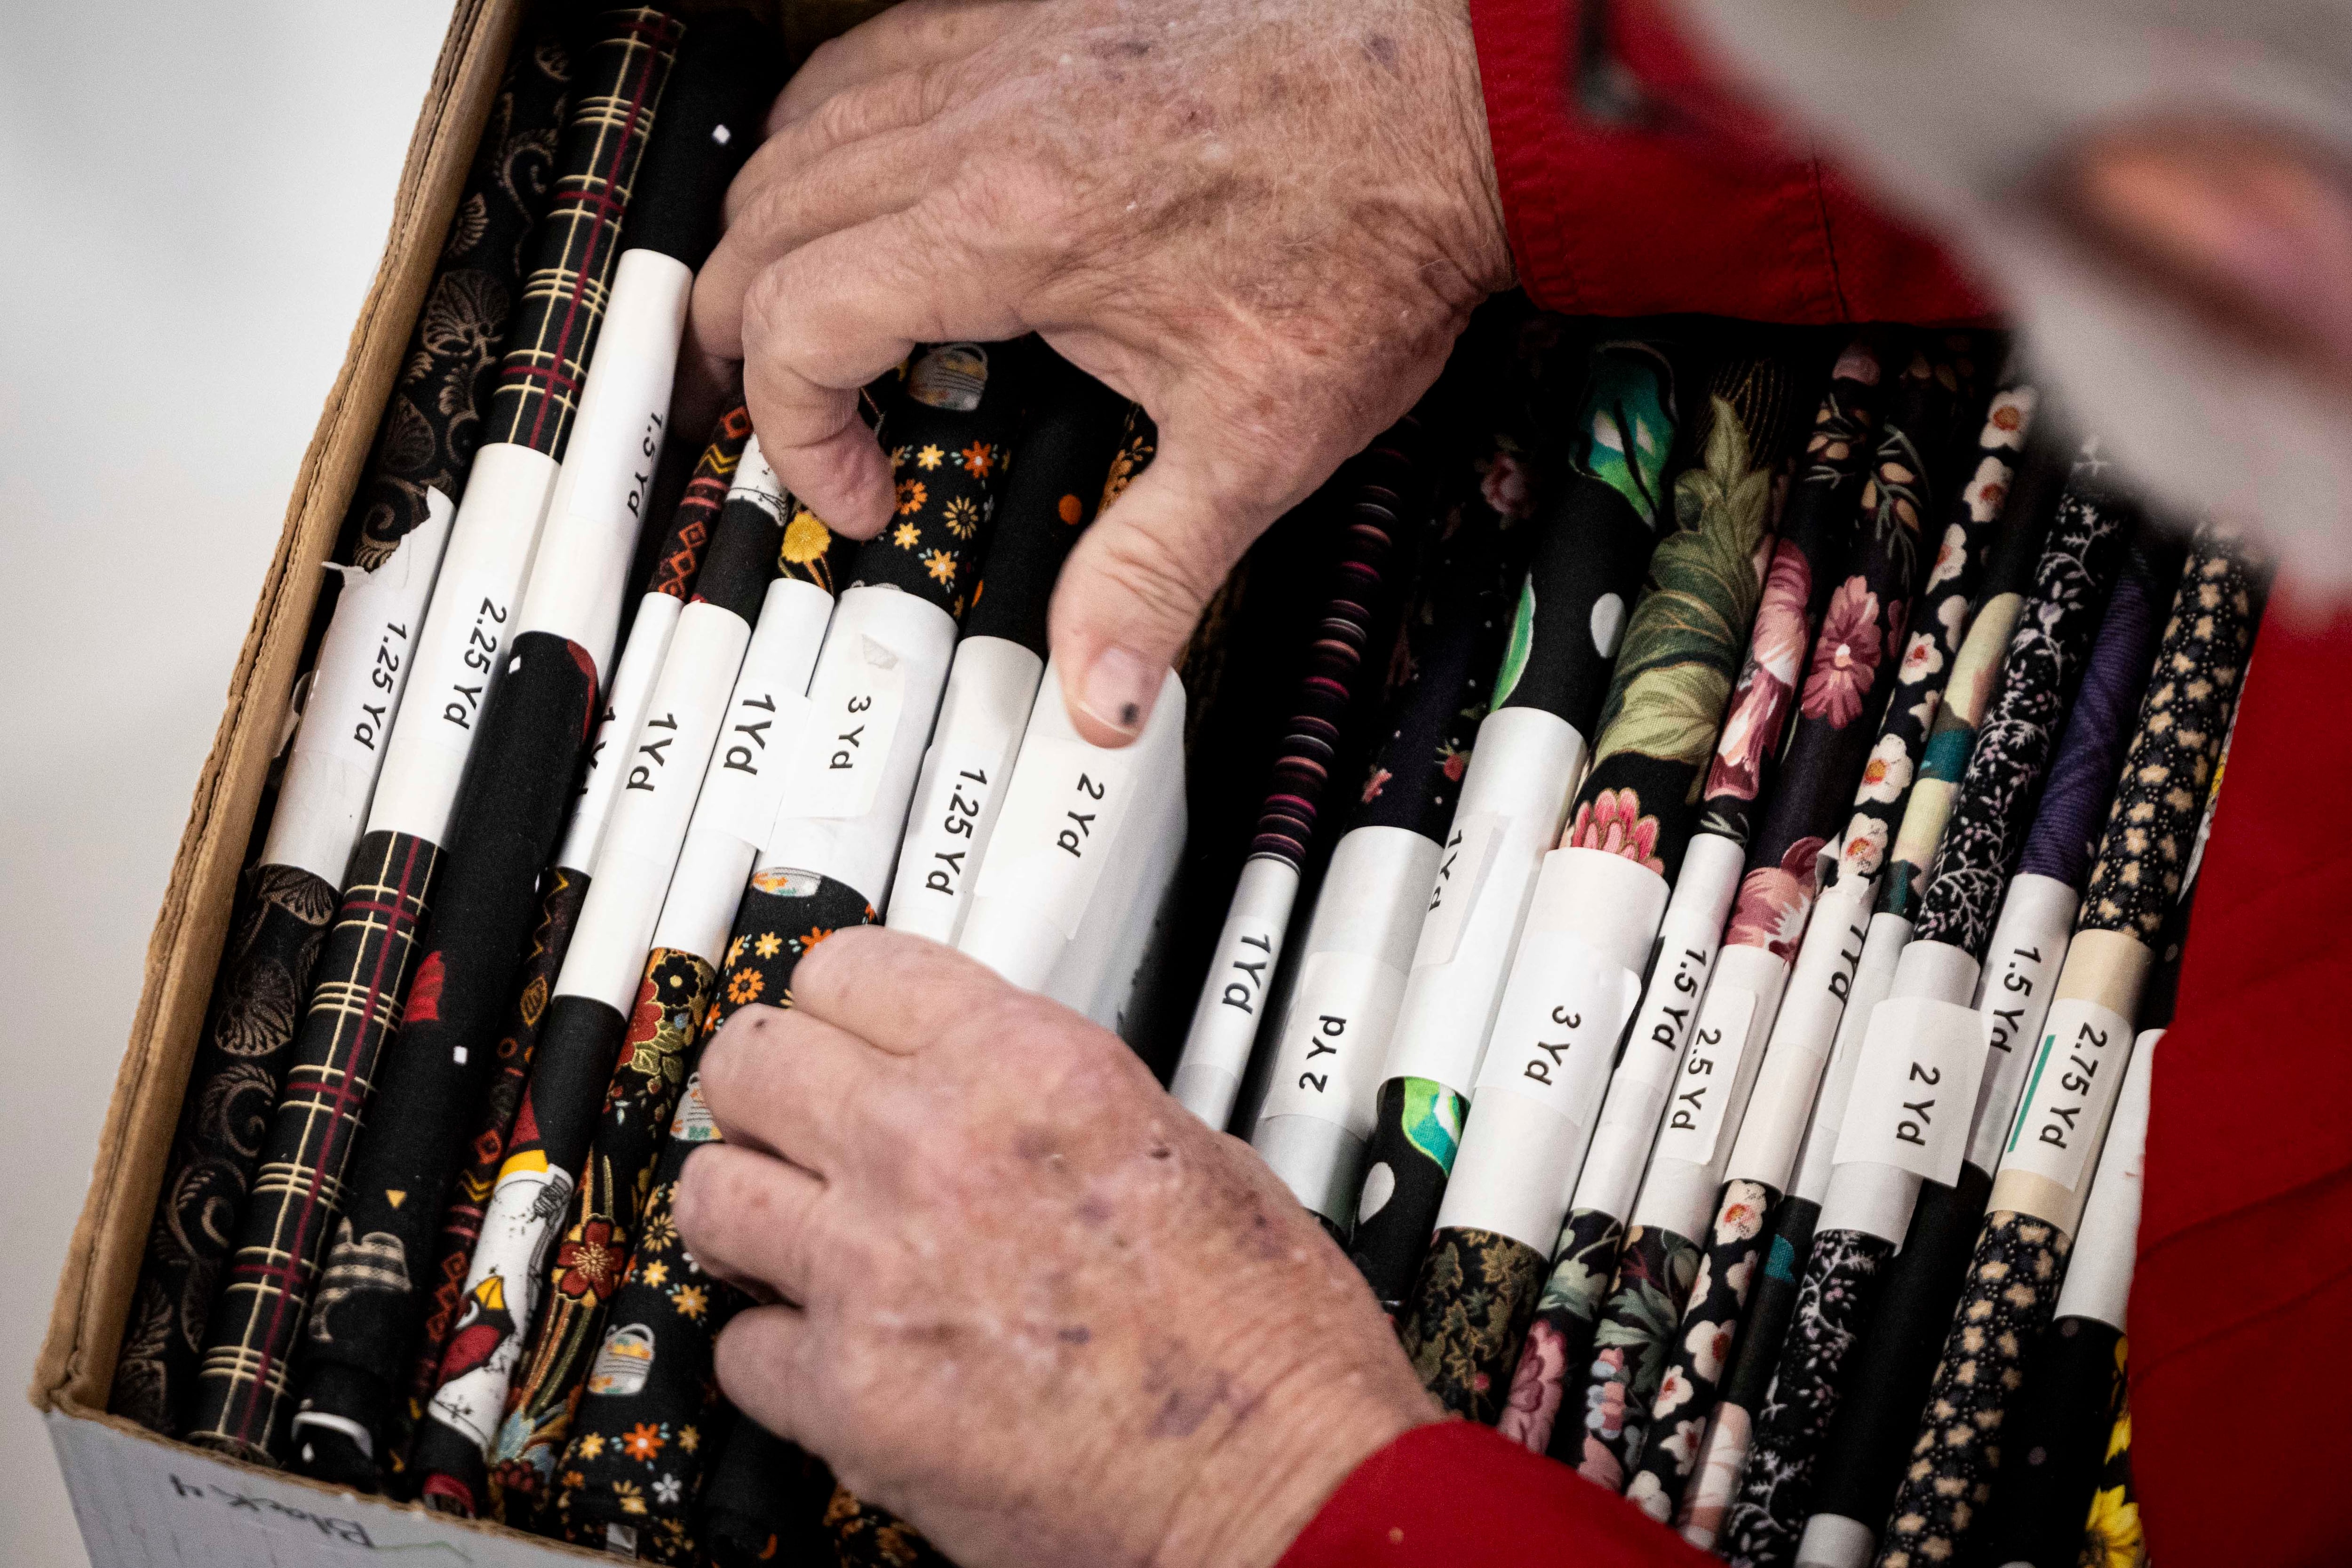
x: 1456, y: 1495
x: 1700, y: 208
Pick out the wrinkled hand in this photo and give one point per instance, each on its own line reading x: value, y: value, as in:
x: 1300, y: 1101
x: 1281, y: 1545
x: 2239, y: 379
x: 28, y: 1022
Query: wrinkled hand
x: 1265, y: 220
x: 1043, y: 1313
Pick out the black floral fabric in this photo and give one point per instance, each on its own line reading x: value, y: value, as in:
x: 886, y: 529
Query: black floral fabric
x: 1594, y: 541
x: 1469, y: 1310
x: 947, y: 427
x: 1888, y: 1368
x: 865, y: 1536
x: 1630, y: 1348
x: 2184, y: 722
x: 1682, y: 644
x: 1818, y: 531
x: 1763, y: 1336
x: 1699, y: 1352
x: 1833, y: 1299
x: 1557, y: 1350
x: 1970, y: 511
x: 241, y: 1059
x: 639, y: 1433
x: 2047, y: 653
x: 2057, y: 1441
x: 674, y: 1003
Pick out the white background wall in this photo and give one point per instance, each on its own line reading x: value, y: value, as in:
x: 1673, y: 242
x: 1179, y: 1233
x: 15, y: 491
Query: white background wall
x: 193, y: 202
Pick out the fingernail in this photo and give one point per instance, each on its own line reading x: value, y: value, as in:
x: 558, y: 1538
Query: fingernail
x: 1120, y: 687
x: 683, y: 1201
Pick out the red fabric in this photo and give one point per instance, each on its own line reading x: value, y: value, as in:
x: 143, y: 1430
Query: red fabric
x: 1457, y: 1495
x: 1708, y: 214
x: 2244, y: 1293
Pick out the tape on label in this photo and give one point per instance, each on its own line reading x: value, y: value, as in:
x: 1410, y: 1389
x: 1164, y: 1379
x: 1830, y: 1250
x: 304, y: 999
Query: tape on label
x: 1563, y: 1016
x: 1710, y: 1070
x: 1914, y: 1088
x: 2069, y: 1090
x: 1340, y: 1016
x: 1462, y: 870
x: 1058, y: 827
x: 854, y: 713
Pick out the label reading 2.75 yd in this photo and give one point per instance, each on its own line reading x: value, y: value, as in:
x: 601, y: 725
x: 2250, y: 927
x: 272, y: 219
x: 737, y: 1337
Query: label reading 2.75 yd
x: 854, y: 711
x: 2069, y: 1091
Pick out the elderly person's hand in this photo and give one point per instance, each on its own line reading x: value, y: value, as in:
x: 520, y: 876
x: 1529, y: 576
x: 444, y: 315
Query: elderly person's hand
x: 1036, y: 1309
x: 1267, y: 221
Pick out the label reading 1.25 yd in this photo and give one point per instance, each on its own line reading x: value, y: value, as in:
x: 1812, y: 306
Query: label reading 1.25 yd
x: 854, y: 711
x: 1695, y: 1107
x: 2069, y: 1092
x: 943, y: 845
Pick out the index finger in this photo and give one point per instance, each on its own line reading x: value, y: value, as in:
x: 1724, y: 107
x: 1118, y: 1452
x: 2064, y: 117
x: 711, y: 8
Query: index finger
x: 827, y: 318
x: 898, y: 992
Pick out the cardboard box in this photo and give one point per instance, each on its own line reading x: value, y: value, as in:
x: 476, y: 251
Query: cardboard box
x: 140, y: 1498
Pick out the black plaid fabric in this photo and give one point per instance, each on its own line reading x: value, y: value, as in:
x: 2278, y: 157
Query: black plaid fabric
x: 619, y: 85
x: 360, y: 982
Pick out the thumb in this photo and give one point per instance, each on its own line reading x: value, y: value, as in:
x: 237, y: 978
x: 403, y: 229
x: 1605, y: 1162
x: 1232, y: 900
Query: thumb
x: 1135, y: 585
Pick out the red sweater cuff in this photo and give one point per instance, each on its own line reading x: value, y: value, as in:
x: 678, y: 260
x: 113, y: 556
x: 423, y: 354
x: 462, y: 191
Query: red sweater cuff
x: 1455, y: 1495
x: 1707, y: 211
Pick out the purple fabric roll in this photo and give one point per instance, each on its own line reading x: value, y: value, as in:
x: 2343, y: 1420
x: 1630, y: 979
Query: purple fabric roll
x: 2083, y: 778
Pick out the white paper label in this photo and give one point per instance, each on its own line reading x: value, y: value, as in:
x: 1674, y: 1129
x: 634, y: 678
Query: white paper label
x: 941, y: 847
x: 2029, y: 948
x: 2069, y: 1090
x: 627, y: 699
x: 463, y: 645
x: 1562, y: 1014
x: 1053, y: 836
x: 743, y: 787
x: 1710, y: 1071
x: 456, y: 674
x: 354, y: 694
x: 1462, y: 867
x: 854, y: 713
x: 1914, y: 1088
x: 1329, y: 1065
